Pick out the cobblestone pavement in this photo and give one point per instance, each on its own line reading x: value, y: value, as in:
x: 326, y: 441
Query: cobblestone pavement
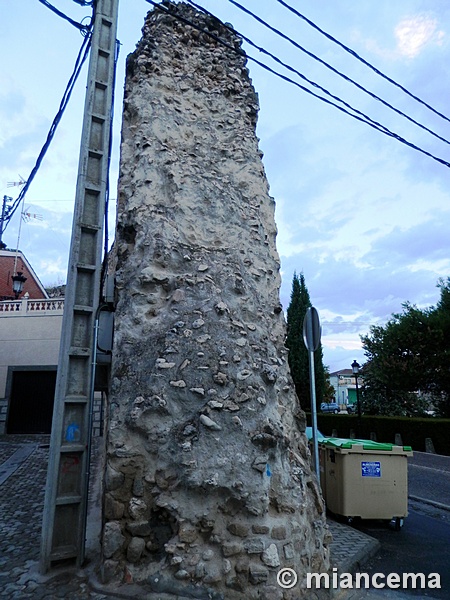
x: 21, y: 506
x: 23, y: 468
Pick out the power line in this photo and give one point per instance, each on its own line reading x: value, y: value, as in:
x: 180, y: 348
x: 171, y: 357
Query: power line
x: 310, y: 81
x: 364, y: 118
x: 330, y: 67
x: 48, y: 200
x: 313, y: 83
x: 82, y: 55
x: 80, y: 26
x: 365, y: 62
x: 293, y: 70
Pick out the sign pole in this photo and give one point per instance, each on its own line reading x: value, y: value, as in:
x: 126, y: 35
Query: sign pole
x: 314, y: 413
x: 311, y: 337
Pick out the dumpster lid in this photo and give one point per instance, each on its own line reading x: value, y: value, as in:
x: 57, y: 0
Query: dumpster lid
x: 347, y: 444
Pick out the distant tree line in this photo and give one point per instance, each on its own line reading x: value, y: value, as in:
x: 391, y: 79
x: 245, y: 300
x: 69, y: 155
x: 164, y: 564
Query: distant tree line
x: 56, y: 290
x: 408, y: 361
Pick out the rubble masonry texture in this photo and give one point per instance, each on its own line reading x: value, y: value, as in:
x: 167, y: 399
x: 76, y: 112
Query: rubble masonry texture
x: 208, y: 484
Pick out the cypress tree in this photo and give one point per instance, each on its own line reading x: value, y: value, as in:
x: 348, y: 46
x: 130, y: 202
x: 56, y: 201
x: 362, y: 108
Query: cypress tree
x: 298, y: 354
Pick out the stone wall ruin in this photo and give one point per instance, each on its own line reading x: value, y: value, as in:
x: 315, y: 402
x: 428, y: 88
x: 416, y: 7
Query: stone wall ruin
x: 208, y: 484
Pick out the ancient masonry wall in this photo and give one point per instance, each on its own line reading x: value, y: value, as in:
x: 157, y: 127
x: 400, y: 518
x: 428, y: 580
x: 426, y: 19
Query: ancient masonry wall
x: 208, y: 484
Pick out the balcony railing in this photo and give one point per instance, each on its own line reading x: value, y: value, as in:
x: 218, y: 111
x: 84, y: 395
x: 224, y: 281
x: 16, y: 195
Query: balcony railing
x: 26, y: 306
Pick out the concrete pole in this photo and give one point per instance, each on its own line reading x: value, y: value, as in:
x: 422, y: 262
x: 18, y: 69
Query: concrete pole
x: 63, y: 527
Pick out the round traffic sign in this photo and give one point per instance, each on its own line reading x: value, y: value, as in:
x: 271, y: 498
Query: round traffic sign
x: 311, y: 329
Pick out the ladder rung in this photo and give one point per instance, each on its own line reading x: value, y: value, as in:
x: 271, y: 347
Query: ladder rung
x: 80, y: 309
x: 63, y: 500
x: 90, y: 227
x: 86, y: 267
x: 70, y: 448
x: 75, y: 399
x: 64, y: 552
x: 74, y: 351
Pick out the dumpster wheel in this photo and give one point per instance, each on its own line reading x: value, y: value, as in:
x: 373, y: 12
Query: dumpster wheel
x: 396, y: 523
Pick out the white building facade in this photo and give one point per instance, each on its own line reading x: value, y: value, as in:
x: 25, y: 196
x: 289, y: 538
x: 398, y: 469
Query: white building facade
x: 30, y: 332
x: 344, y: 384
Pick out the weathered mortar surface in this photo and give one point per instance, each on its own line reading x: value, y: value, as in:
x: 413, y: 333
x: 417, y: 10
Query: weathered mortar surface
x: 208, y: 485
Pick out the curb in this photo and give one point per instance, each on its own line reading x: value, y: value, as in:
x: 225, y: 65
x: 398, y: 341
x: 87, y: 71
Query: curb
x: 354, y: 560
x: 349, y: 561
x: 355, y: 564
x: 359, y: 559
x: 431, y: 502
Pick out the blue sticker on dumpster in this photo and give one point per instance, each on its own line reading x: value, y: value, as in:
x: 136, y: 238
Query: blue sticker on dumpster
x: 370, y: 469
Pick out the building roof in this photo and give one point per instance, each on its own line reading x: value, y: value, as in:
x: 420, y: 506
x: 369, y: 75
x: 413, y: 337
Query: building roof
x: 346, y: 372
x: 32, y: 286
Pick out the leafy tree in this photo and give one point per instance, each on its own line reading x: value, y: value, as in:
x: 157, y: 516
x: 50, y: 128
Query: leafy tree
x: 439, y: 384
x: 298, y: 353
x: 329, y: 391
x: 408, y: 360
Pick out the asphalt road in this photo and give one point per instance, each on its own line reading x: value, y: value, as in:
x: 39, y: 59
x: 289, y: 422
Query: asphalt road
x: 423, y: 544
x: 429, y: 477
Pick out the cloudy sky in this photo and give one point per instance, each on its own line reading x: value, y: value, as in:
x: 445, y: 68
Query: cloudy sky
x: 363, y: 216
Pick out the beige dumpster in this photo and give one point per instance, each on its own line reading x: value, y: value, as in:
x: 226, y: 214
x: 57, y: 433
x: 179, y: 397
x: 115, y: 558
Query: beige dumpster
x: 366, y: 479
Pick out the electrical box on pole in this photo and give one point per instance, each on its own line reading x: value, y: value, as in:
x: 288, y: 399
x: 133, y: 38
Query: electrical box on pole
x: 64, y: 518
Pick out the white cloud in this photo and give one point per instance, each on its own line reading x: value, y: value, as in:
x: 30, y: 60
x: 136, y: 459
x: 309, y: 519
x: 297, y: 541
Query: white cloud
x: 344, y: 342
x: 414, y: 33
x: 48, y: 269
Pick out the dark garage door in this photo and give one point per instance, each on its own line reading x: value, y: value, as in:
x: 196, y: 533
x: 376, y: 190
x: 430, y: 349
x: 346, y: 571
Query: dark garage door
x: 31, y: 402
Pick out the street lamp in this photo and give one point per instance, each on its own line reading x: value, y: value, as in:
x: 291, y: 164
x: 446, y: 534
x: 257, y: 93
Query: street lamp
x: 18, y: 281
x: 355, y: 369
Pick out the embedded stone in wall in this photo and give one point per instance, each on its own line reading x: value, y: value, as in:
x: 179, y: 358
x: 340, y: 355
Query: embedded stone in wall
x: 208, y: 488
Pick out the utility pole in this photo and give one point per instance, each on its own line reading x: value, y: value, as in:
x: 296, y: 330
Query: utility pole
x: 64, y: 518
